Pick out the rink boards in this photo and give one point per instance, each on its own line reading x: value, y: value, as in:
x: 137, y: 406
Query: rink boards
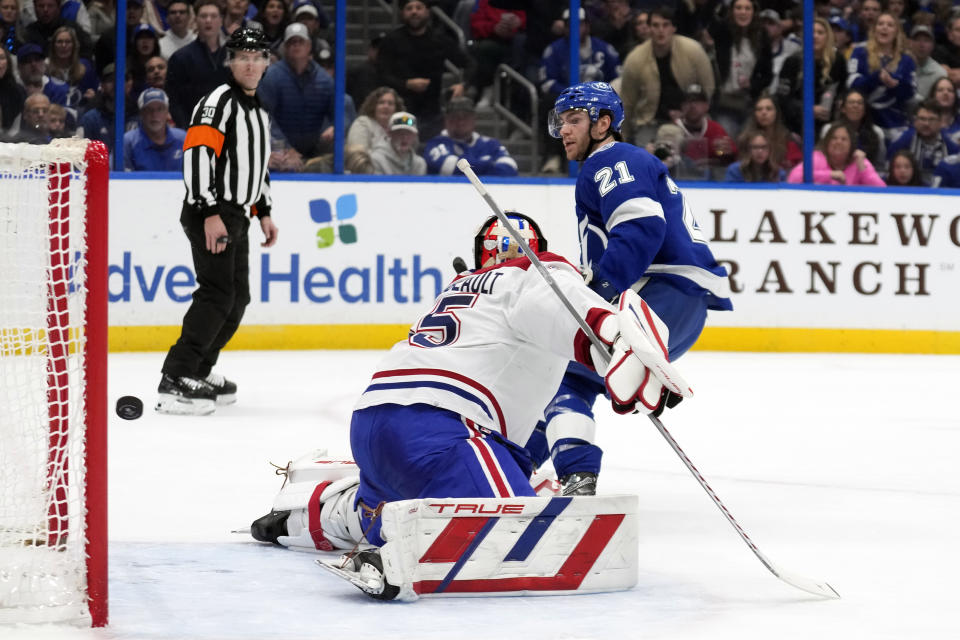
x: 357, y: 260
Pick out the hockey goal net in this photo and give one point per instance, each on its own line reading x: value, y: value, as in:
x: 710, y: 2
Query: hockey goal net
x: 53, y: 325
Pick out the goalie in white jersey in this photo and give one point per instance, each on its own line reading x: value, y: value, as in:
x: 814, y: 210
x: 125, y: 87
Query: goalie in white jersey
x: 449, y: 408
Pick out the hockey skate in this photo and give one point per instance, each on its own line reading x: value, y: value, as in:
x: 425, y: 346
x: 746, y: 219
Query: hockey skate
x: 270, y: 527
x: 581, y: 483
x: 185, y: 395
x: 225, y: 389
x: 363, y: 569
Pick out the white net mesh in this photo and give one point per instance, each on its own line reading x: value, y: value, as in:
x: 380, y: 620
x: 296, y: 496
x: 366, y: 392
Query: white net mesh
x: 42, y: 408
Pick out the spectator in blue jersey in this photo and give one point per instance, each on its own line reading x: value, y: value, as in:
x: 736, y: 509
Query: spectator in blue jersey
x: 599, y: 61
x: 32, y: 68
x: 944, y: 93
x: 298, y: 95
x: 65, y: 64
x: 154, y: 145
x: 459, y: 139
x: 947, y: 173
x: 883, y: 72
x: 636, y: 232
x: 925, y: 140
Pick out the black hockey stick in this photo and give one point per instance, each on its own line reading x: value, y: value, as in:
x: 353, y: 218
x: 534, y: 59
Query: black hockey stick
x: 818, y: 588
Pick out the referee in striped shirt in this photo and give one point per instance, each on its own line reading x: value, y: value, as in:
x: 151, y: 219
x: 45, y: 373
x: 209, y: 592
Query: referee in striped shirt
x: 225, y: 172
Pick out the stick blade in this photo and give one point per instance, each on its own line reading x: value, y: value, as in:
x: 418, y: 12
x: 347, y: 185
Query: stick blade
x: 817, y: 588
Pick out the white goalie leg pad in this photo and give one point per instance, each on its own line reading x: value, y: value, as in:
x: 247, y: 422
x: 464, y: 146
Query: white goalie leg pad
x: 570, y: 424
x: 646, y: 335
x: 319, y: 492
x: 510, y: 546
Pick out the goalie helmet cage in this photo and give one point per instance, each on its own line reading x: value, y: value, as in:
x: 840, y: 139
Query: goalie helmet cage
x: 53, y: 349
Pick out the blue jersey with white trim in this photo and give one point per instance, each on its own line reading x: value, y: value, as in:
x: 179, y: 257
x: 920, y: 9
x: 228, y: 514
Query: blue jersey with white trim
x: 635, y: 224
x: 493, y: 348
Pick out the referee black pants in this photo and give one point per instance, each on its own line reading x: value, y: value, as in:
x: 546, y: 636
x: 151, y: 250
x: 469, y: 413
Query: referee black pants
x: 222, y: 295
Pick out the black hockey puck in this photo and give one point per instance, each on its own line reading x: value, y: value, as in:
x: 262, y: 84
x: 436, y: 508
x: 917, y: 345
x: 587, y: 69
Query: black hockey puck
x: 129, y: 407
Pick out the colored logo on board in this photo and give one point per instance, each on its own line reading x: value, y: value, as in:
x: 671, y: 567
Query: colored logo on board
x: 333, y: 221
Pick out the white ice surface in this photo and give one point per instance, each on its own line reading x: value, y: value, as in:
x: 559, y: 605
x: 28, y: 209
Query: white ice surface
x: 841, y: 468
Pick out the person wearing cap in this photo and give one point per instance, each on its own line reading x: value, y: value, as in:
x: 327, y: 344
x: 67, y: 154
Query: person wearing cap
x: 225, y: 158
x: 313, y: 17
x: 179, y: 34
x: 921, y: 47
x: 32, y: 68
x: 146, y: 45
x: 199, y: 67
x: 655, y: 73
x: 842, y: 35
x: 412, y: 61
x: 459, y: 139
x: 97, y: 123
x: 782, y: 46
x: 706, y: 146
x: 154, y: 145
x: 298, y: 95
x: 399, y: 155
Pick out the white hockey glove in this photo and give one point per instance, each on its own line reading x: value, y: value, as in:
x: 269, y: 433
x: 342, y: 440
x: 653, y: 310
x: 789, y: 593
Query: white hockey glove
x: 640, y: 376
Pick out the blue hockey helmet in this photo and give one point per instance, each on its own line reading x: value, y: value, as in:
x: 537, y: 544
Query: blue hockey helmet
x: 592, y: 97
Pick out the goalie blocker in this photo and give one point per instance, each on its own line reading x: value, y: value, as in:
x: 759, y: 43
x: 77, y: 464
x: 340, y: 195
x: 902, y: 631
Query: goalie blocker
x: 506, y: 546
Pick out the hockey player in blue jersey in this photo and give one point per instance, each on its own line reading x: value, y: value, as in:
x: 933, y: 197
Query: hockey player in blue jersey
x: 458, y: 140
x: 636, y: 232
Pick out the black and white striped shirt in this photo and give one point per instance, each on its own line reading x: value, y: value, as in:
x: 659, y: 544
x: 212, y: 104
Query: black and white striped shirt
x: 225, y: 154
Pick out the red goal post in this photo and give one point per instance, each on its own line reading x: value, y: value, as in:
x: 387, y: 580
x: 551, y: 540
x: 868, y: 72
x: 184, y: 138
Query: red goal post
x: 53, y: 382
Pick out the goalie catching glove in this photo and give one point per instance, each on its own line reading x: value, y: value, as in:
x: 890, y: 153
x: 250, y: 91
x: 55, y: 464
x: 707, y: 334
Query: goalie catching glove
x: 639, y: 376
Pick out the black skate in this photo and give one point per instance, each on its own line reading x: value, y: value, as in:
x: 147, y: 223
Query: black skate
x: 226, y: 391
x: 363, y: 569
x: 270, y: 527
x: 582, y: 483
x: 185, y: 395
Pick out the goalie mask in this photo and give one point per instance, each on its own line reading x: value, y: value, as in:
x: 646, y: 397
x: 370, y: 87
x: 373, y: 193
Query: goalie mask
x: 493, y: 244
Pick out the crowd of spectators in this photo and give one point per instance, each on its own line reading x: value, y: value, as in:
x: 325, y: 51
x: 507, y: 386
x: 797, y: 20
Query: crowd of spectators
x: 712, y: 87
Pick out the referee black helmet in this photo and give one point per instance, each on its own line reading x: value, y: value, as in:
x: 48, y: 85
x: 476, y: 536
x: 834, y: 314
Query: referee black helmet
x: 247, y: 39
